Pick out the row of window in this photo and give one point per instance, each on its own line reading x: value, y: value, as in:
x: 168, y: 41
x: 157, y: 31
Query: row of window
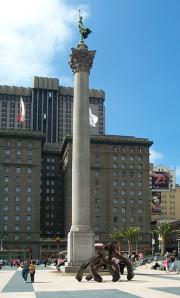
x: 125, y: 157
x: 18, y: 143
x: 17, y: 237
x: 19, y: 189
x: 17, y: 209
x: 17, y: 199
x: 18, y: 161
x: 18, y: 152
x: 17, y: 218
x: 18, y: 170
x: 122, y: 201
x: 124, y: 183
x: 17, y: 179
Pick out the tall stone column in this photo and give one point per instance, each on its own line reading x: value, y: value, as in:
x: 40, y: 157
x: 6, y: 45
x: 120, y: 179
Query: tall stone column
x: 81, y: 236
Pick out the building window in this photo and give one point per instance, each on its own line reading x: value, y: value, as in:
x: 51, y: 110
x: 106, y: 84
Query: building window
x: 139, y: 166
x: 28, y: 228
x: 115, y: 183
x: 28, y: 237
x: 5, y: 208
x: 5, y: 217
x: 17, y: 218
x: 115, y: 201
x: 140, y: 193
x: 18, y: 152
x: 140, y: 211
x: 115, y: 157
x: 29, y: 152
x: 29, y: 179
x: 29, y: 170
x: 18, y: 189
x: 123, y: 219
x: 140, y: 201
x: 18, y: 179
x: 6, y: 179
x: 123, y: 166
x: 17, y: 199
x: 7, y: 152
x: 115, y: 165
x: 17, y: 228
x: 131, y: 192
x: 131, y: 157
x: 29, y: 199
x: 140, y: 158
x: 139, y: 183
x: 18, y: 170
x: 131, y: 201
x: 115, y: 210
x: 132, y: 219
x: 28, y: 217
x: 29, y: 189
x: 115, y: 228
x: 28, y: 209
x: 19, y: 143
x: 139, y: 175
x: 6, y: 189
x: 123, y: 192
x: 17, y: 208
x: 123, y: 157
x: 5, y: 227
x: 123, y: 210
x: 131, y: 166
x: 123, y: 201
x: 6, y: 198
x: 16, y: 237
x: 6, y: 169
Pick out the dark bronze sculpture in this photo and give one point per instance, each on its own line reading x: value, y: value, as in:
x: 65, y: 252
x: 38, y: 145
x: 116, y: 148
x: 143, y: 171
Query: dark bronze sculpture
x: 106, y: 255
x: 84, y: 32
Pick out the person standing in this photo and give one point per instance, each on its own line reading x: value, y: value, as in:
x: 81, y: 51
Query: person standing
x: 25, y: 270
x: 32, y: 268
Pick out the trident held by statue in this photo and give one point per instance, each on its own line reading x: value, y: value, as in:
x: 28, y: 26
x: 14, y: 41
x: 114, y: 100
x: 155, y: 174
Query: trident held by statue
x: 84, y: 32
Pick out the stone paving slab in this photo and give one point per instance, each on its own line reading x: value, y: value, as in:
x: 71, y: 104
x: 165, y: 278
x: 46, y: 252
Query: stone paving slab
x: 50, y: 283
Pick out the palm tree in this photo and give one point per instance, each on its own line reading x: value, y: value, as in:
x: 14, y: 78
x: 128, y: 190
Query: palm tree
x: 163, y: 230
x: 130, y: 233
x: 117, y: 236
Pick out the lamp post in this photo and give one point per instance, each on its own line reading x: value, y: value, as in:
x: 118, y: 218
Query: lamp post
x: 1, y: 245
x: 178, y: 240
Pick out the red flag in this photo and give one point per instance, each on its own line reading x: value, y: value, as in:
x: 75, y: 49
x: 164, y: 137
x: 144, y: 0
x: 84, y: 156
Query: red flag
x: 21, y: 115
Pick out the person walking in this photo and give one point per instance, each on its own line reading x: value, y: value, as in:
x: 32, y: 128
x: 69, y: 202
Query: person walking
x: 32, y: 268
x: 25, y: 270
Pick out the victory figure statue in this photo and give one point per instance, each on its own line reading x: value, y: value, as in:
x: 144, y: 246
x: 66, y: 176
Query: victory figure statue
x: 84, y: 32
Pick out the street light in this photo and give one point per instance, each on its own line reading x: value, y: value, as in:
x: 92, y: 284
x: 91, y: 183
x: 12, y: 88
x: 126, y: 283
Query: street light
x: 178, y: 240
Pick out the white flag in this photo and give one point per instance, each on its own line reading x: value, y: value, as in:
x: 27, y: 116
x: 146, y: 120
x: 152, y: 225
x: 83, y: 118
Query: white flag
x: 21, y: 115
x: 93, y: 119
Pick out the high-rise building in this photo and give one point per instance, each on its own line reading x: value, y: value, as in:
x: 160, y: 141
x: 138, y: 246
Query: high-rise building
x: 20, y: 185
x: 49, y: 108
x: 120, y: 194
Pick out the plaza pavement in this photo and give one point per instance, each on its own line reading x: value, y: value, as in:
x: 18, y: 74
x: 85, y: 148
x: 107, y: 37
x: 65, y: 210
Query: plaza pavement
x: 49, y: 283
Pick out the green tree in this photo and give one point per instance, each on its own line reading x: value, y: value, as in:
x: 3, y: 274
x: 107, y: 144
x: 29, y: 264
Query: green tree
x: 130, y: 233
x: 163, y: 230
x: 117, y: 236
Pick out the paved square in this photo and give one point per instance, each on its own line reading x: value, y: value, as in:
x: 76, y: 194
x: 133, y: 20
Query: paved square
x: 49, y: 283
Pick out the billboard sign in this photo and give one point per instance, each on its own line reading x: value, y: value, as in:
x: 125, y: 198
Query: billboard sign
x: 160, y: 180
x: 156, y: 202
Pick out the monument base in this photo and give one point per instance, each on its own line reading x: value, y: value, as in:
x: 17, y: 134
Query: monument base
x: 80, y: 249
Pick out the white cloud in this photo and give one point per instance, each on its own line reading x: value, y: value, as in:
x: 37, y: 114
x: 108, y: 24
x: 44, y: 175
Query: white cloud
x: 154, y: 156
x: 31, y: 33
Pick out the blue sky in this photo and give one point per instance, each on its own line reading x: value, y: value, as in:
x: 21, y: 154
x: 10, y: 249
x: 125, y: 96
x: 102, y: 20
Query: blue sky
x: 137, y: 62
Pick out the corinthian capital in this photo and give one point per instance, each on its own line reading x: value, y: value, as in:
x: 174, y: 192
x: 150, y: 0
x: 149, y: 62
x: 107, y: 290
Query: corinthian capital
x: 81, y: 58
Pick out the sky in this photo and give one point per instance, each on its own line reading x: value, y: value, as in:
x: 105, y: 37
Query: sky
x: 137, y: 61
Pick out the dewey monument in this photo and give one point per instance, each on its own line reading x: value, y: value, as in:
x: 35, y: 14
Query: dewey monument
x: 81, y: 236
